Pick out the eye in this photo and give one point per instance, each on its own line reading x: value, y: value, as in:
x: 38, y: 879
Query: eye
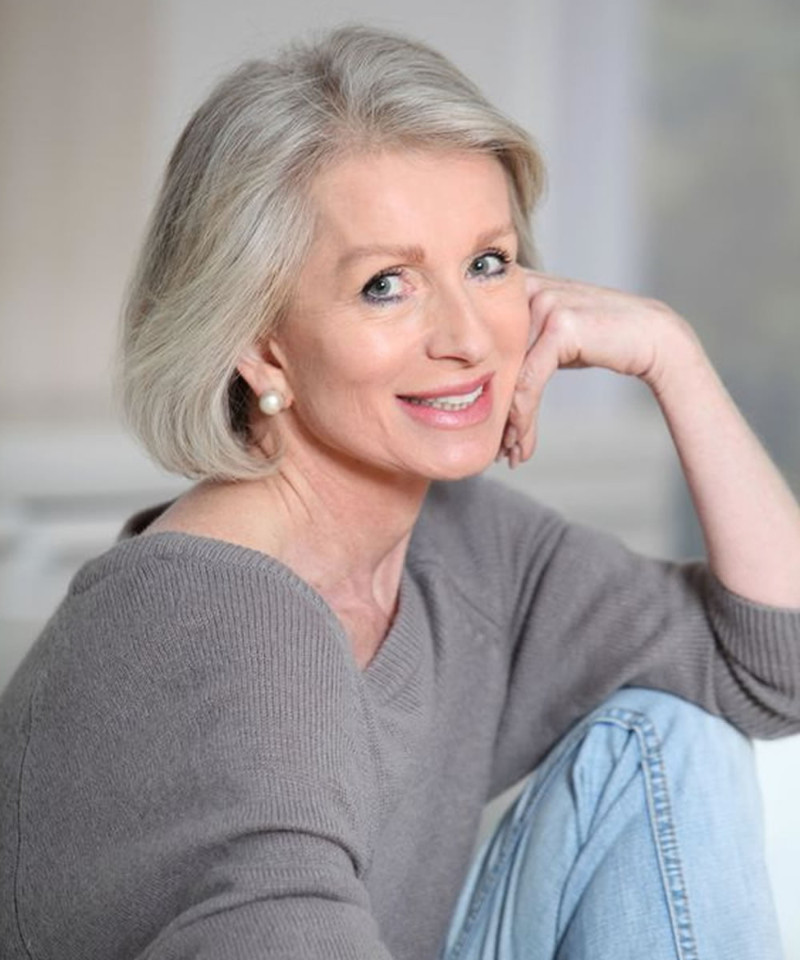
x: 491, y: 263
x: 383, y: 288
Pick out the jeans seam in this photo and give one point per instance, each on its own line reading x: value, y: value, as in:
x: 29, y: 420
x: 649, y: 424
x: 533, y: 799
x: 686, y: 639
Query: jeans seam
x: 661, y: 820
x: 662, y: 823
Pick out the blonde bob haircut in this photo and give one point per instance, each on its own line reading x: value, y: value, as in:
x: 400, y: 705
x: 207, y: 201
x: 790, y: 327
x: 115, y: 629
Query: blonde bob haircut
x: 231, y: 226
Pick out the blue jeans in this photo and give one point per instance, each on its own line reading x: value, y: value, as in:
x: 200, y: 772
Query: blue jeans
x: 639, y: 836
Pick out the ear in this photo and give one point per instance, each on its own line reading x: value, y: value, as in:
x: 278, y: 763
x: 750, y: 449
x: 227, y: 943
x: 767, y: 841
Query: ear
x: 261, y: 367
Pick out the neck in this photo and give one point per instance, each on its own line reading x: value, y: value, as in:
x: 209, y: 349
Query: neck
x: 341, y: 527
x: 345, y: 528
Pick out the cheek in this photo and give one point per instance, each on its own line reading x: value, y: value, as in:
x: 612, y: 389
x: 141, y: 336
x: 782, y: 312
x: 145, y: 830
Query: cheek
x: 352, y: 361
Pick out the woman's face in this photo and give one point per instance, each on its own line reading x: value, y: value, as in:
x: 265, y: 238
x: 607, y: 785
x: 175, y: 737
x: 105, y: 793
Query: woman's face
x: 410, y: 319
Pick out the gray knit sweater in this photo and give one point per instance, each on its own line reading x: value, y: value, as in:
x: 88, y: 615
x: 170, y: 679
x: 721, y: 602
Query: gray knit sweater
x: 192, y: 765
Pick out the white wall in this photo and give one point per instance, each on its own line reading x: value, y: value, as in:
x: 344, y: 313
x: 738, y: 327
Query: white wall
x: 74, y: 91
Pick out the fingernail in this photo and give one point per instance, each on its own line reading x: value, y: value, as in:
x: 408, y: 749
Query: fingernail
x: 510, y: 437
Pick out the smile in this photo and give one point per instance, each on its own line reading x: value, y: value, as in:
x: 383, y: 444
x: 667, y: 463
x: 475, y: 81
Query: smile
x: 448, y: 403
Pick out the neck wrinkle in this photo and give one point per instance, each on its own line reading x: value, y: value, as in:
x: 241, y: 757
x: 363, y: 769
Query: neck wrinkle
x: 342, y: 529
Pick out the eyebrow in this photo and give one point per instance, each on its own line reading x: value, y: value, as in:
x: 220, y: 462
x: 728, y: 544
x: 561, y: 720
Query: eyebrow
x: 414, y: 254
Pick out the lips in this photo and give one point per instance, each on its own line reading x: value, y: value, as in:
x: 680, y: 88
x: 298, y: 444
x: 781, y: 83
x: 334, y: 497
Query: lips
x: 448, y: 402
x: 458, y: 393
x: 460, y: 405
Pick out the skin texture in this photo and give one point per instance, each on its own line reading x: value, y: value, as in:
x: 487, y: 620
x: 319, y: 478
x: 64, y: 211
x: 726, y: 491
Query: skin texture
x: 359, y: 459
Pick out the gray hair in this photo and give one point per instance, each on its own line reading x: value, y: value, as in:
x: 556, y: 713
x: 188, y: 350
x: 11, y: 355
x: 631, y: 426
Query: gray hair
x: 232, y: 226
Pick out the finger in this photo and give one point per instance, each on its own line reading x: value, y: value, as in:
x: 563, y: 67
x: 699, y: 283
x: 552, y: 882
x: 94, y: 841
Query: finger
x: 574, y: 290
x: 536, y: 281
x: 539, y: 366
x: 544, y: 295
x: 510, y: 434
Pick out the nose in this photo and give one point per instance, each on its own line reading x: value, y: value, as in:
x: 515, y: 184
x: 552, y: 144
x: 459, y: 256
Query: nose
x: 456, y: 327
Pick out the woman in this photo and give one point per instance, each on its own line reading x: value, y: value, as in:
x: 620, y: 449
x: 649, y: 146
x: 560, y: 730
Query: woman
x: 266, y: 722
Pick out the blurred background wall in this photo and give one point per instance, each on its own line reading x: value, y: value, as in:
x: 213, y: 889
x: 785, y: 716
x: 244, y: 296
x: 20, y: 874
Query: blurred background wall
x: 672, y: 135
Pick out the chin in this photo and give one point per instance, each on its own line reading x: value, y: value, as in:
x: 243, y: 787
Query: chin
x: 460, y: 467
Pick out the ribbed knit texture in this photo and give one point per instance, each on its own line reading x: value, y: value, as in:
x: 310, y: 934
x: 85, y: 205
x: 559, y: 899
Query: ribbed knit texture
x: 192, y: 765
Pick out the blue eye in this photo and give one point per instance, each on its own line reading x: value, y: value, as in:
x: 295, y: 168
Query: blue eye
x: 493, y: 263
x: 384, y: 288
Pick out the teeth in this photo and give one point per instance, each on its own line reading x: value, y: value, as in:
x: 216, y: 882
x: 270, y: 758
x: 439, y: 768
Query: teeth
x: 449, y: 403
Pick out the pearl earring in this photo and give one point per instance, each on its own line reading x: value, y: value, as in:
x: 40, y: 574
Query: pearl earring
x: 271, y: 402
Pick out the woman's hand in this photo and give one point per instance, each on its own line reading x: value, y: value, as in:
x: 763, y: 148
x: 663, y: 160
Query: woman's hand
x: 749, y: 517
x: 579, y: 325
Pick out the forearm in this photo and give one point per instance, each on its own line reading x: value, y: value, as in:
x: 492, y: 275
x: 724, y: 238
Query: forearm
x: 750, y: 520
x: 749, y: 517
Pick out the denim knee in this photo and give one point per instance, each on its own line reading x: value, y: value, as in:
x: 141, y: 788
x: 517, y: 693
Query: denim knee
x: 621, y: 841
x: 700, y: 771
x: 682, y: 730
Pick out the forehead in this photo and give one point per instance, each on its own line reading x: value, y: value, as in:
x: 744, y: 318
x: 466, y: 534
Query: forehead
x: 409, y: 196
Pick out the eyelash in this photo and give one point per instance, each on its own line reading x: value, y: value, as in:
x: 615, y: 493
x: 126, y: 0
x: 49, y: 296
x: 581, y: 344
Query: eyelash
x: 504, y: 257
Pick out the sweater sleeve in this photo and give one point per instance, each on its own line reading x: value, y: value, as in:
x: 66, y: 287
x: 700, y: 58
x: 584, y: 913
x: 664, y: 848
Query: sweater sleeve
x: 582, y: 616
x: 197, y: 768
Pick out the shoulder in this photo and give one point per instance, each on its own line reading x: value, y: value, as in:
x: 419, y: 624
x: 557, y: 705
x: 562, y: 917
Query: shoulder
x: 198, y: 688
x: 482, y: 512
x: 171, y: 642
x: 165, y: 573
x: 170, y: 618
x: 486, y: 539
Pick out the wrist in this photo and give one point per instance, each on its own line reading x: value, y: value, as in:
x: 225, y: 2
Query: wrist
x: 679, y: 357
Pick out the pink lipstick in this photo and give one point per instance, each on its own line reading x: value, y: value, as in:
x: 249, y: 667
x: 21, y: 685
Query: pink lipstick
x: 461, y: 405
